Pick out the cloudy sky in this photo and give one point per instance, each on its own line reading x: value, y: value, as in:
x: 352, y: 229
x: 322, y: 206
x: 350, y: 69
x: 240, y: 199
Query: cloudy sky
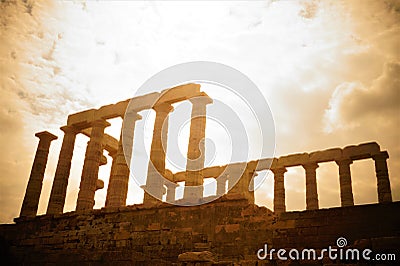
x: 330, y: 71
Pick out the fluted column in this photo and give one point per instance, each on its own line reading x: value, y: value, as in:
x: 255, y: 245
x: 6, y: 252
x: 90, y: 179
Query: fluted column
x: 34, y: 188
x: 382, y: 176
x: 60, y: 183
x: 346, y: 191
x: 156, y: 169
x: 99, y: 182
x: 110, y: 188
x: 91, y: 165
x: 128, y: 134
x: 196, y: 148
x: 311, y: 186
x: 118, y: 185
x: 221, y: 184
x: 279, y: 189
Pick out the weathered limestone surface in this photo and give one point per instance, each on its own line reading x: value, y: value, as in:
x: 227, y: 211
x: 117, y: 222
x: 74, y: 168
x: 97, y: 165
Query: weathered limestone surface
x: 362, y: 151
x: 199, y: 256
x: 196, y: 149
x: 221, y: 185
x: 346, y: 191
x: 171, y: 191
x: 382, y: 175
x: 60, y: 183
x: 241, y: 188
x: 34, y: 188
x: 91, y: 165
x: 119, y: 178
x: 311, y: 186
x: 83, y: 120
x: 231, y: 230
x: 110, y: 144
x: 372, y: 223
x: 294, y: 159
x: 156, y: 169
x: 326, y: 155
x: 309, y: 161
x: 279, y: 190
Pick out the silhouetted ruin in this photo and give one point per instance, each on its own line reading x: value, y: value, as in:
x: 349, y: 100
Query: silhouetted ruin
x: 228, y: 229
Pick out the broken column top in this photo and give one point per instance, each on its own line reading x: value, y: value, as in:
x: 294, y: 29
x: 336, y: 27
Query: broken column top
x: 45, y: 135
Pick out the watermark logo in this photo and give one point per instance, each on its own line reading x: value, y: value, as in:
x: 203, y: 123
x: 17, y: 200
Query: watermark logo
x: 333, y: 253
x: 232, y: 106
x: 341, y: 242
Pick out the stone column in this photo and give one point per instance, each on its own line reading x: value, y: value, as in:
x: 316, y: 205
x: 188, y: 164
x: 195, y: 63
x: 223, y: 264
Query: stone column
x: 311, y: 186
x: 99, y: 182
x: 113, y: 155
x: 91, y: 165
x: 382, y: 176
x: 279, y: 189
x: 196, y: 148
x: 221, y: 185
x: 118, y: 185
x: 171, y: 191
x: 240, y: 190
x: 34, y: 188
x: 156, y: 170
x: 60, y: 183
x: 346, y: 191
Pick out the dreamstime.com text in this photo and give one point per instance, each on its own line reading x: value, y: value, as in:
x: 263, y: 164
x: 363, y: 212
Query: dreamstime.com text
x: 333, y: 253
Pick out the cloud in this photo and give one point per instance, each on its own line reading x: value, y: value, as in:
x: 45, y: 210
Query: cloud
x: 352, y: 104
x: 370, y: 113
x: 366, y: 104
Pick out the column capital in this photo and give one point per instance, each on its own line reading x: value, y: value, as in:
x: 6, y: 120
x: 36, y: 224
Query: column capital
x: 171, y: 185
x: 201, y: 99
x: 343, y: 161
x: 69, y: 129
x: 131, y: 115
x: 163, y: 108
x: 45, y: 135
x: 310, y: 166
x: 279, y: 170
x: 100, y: 123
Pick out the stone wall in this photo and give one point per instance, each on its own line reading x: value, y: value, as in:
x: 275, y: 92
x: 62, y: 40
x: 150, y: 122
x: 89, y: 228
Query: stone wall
x: 321, y: 228
x: 232, y: 230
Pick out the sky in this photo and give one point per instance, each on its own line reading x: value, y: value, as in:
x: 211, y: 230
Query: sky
x: 329, y: 70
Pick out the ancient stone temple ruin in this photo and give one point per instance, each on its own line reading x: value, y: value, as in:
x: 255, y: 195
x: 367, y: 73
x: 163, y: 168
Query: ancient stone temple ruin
x: 228, y: 230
